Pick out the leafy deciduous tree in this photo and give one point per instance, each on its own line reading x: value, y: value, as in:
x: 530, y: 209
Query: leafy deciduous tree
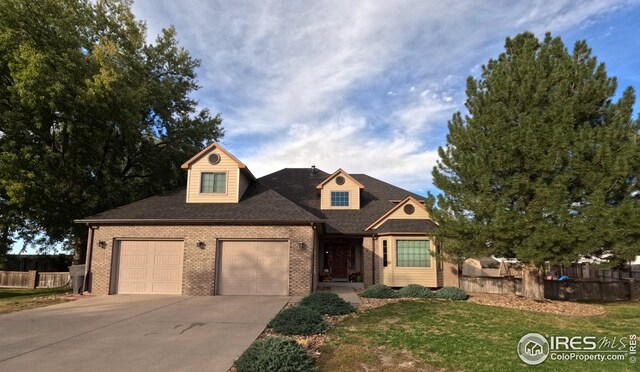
x: 91, y: 115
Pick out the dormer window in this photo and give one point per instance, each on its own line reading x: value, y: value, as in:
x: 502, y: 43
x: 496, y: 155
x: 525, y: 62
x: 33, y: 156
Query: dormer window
x: 339, y: 198
x: 213, y: 182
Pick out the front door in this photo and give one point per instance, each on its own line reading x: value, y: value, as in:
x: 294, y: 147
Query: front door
x: 338, y: 258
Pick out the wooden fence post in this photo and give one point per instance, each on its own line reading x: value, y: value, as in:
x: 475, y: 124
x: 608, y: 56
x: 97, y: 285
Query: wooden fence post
x: 634, y: 290
x: 32, y: 279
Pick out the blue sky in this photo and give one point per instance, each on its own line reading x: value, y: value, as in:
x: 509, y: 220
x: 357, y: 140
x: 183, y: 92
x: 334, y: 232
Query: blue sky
x: 365, y: 85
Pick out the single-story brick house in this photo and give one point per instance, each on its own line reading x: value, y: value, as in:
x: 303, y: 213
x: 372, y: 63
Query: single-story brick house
x: 228, y: 232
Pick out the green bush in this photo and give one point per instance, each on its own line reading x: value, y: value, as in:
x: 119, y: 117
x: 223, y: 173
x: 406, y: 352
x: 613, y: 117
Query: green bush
x: 451, y: 293
x: 327, y: 303
x: 415, y: 291
x: 379, y: 291
x: 275, y: 354
x: 298, y: 320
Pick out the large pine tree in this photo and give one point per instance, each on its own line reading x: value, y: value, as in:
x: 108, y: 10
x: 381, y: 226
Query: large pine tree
x: 544, y: 166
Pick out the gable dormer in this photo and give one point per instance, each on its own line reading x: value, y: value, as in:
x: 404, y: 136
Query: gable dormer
x: 408, y: 209
x: 216, y: 176
x: 340, y: 191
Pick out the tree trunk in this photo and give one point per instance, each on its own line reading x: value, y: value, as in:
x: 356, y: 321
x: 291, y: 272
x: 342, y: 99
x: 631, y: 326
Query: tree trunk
x: 533, y: 282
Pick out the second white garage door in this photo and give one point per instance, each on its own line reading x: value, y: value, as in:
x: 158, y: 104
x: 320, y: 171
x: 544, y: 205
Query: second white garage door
x: 253, y: 267
x: 150, y: 267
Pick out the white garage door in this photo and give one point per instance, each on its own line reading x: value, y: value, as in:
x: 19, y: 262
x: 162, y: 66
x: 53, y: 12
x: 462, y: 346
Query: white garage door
x: 150, y: 267
x: 255, y: 267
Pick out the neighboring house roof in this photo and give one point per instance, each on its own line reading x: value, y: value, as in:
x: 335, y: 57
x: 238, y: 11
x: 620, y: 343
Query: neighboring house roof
x: 489, y: 263
x: 286, y: 195
x: 407, y: 226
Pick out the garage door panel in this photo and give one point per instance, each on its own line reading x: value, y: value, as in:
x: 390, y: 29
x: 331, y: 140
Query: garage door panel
x: 133, y: 274
x: 254, y: 268
x: 269, y: 289
x: 164, y: 274
x: 159, y: 287
x: 237, y: 288
x: 270, y: 262
x: 134, y: 259
x: 166, y: 260
x: 150, y: 267
x: 235, y: 274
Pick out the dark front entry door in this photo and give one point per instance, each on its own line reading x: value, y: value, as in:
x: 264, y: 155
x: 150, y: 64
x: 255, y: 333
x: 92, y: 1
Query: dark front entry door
x: 338, y: 259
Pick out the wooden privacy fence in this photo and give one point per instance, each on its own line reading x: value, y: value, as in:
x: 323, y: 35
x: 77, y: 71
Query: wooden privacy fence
x: 53, y: 280
x: 33, y: 279
x: 490, y: 284
x: 575, y: 290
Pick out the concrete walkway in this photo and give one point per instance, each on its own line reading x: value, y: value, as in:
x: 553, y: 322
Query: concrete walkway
x: 347, y: 293
x: 135, y: 333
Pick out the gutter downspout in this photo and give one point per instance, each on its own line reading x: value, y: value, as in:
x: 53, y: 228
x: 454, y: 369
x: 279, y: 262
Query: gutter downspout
x: 87, y: 266
x: 313, y: 256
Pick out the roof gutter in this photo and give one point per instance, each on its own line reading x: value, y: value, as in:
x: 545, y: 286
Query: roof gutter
x: 160, y: 221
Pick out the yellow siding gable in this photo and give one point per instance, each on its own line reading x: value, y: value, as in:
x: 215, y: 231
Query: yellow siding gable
x: 226, y: 165
x: 349, y: 185
x: 398, y: 213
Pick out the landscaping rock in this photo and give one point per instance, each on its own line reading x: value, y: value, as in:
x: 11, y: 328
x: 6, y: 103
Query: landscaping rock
x: 544, y: 306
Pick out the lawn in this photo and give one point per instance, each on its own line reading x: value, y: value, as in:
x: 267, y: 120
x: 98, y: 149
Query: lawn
x: 22, y: 299
x: 451, y: 335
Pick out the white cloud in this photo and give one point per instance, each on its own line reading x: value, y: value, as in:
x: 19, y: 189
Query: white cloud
x: 344, y: 142
x: 314, y: 82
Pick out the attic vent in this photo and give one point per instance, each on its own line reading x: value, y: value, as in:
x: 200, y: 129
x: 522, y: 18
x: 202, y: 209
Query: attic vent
x: 409, y: 209
x: 214, y: 159
x: 340, y: 180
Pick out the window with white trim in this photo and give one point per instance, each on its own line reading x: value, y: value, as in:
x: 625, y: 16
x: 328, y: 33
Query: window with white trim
x: 213, y: 183
x: 339, y: 198
x: 413, y: 253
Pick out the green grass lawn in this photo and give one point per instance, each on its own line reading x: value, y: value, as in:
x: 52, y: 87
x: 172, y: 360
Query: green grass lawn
x: 461, y: 335
x: 22, y: 299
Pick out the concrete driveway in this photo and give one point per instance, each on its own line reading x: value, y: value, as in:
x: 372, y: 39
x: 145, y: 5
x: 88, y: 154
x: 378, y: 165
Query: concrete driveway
x: 135, y: 333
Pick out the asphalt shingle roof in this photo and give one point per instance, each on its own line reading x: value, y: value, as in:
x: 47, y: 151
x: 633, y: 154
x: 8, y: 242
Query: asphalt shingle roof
x: 407, y: 226
x: 257, y: 204
x: 286, y: 195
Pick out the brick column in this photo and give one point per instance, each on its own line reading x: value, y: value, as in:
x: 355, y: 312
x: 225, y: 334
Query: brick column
x: 367, y: 260
x: 450, y: 274
x: 369, y: 245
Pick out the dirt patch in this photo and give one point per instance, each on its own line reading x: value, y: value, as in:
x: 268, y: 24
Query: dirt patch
x: 541, y: 306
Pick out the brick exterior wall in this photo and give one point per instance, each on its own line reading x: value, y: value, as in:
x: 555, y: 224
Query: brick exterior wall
x: 371, y: 252
x: 450, y: 274
x: 199, y: 265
